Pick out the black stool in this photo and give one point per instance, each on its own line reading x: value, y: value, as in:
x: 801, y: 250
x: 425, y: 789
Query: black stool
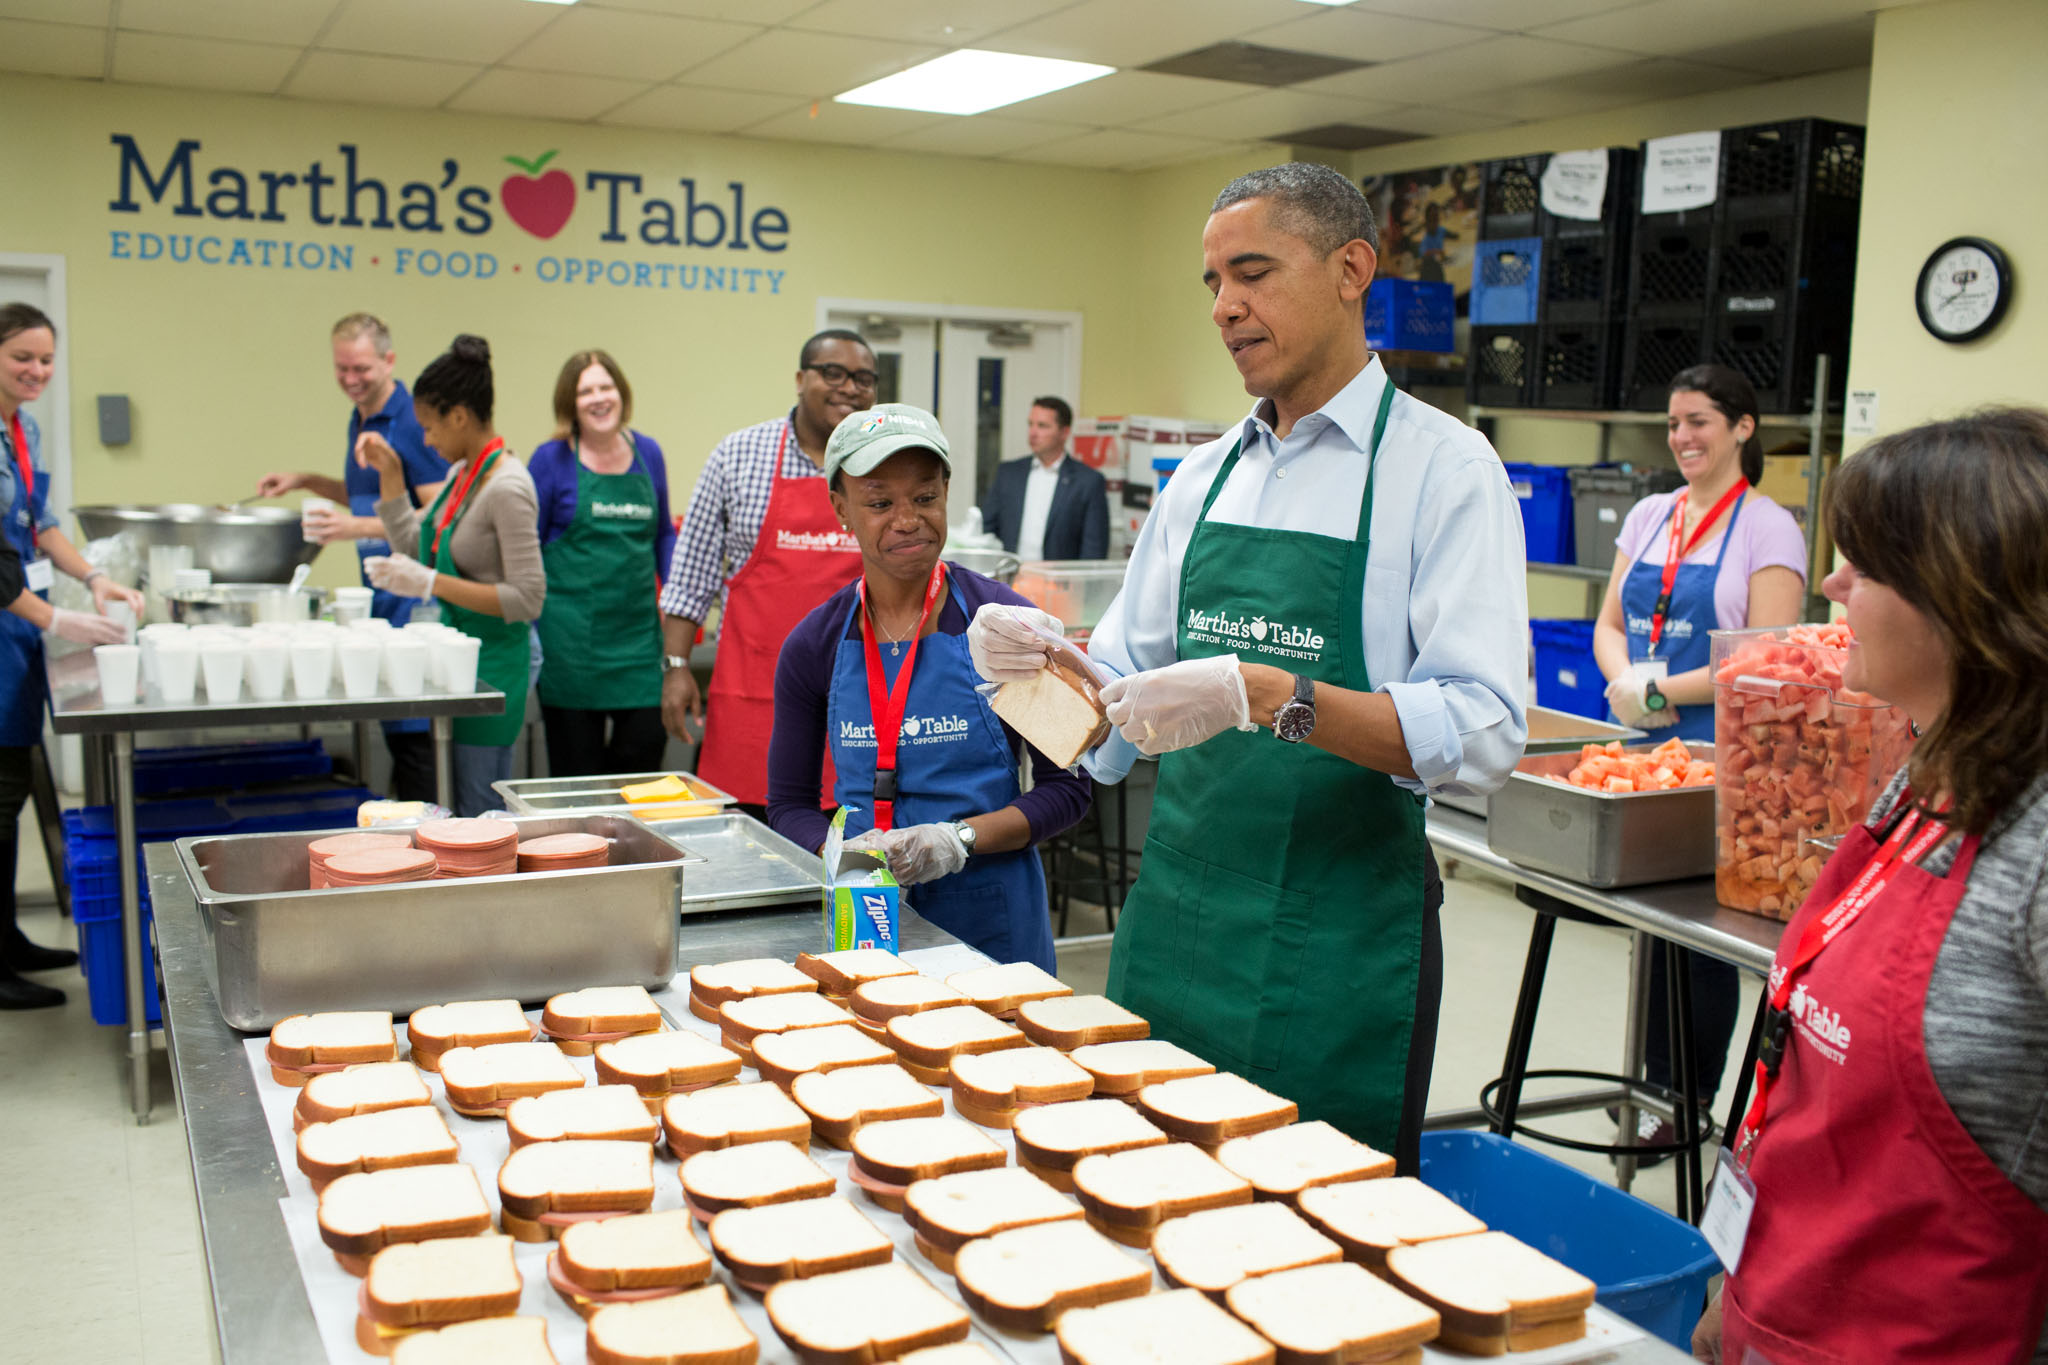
x: 1067, y: 856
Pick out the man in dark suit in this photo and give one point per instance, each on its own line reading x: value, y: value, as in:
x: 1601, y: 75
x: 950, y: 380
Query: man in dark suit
x: 1048, y: 505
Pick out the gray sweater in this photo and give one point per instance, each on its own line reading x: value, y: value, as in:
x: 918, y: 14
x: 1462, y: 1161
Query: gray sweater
x: 497, y: 540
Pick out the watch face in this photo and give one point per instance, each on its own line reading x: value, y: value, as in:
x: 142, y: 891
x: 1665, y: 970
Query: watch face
x: 1962, y: 290
x: 1294, y: 721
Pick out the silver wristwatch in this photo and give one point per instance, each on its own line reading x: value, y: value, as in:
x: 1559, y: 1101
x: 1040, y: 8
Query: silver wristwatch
x: 964, y: 832
x: 671, y: 662
x: 1295, y: 721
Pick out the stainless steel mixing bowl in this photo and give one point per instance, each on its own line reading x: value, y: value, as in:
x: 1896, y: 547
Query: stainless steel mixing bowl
x: 246, y: 545
x: 243, y: 604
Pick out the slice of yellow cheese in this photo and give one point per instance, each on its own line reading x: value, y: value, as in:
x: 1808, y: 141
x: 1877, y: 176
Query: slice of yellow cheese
x: 666, y: 789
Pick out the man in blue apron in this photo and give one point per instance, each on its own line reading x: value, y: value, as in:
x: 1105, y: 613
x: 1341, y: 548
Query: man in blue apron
x: 363, y: 361
x: 1324, y: 620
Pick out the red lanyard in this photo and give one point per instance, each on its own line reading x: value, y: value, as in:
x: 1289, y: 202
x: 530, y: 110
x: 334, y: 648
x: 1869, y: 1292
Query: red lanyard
x: 1911, y: 840
x: 886, y: 705
x: 1674, y: 553
x: 449, y: 509
x: 26, y: 470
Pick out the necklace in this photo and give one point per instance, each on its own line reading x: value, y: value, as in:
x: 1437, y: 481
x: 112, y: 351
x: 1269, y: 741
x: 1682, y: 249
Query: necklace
x: 895, y: 640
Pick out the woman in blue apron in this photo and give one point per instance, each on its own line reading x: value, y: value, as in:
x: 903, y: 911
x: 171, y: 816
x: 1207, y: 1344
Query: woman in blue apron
x: 1714, y: 555
x: 28, y: 354
x: 880, y: 676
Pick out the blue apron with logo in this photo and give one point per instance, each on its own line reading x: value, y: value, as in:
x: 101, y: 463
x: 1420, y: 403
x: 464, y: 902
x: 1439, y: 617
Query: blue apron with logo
x: 1685, y: 645
x: 22, y: 686
x: 953, y: 761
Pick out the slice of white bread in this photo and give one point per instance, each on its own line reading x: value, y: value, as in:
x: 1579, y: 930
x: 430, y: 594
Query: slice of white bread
x: 1334, y: 1315
x: 1126, y: 1068
x: 1129, y: 1194
x: 752, y: 1175
x: 660, y: 1064
x: 417, y: 1285
x: 416, y: 1135
x: 306, y: 1045
x: 1002, y: 989
x: 1051, y: 1138
x: 369, y: 1088
x: 1369, y: 1218
x: 1070, y: 1021
x: 1179, y: 1327
x: 888, y: 1157
x: 1024, y: 1279
x: 742, y: 1021
x: 1058, y: 709
x: 857, y: 1316
x: 927, y: 1042
x: 545, y: 1186
x: 579, y: 1020
x: 609, y: 1112
x: 434, y: 1029
x: 1213, y: 1109
x: 840, y: 1101
x: 776, y: 1242
x: 501, y: 1341
x: 782, y: 1057
x: 718, y: 983
x: 846, y: 970
x: 697, y: 1327
x: 992, y: 1088
x: 963, y: 1353
x: 632, y: 1256
x: 1283, y: 1162
x: 1494, y: 1293
x: 482, y: 1081
x: 950, y: 1211
x: 732, y: 1116
x: 1214, y: 1249
x: 362, y: 1214
x: 875, y: 1003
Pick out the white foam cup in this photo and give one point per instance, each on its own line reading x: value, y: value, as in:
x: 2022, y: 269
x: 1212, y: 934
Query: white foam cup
x: 265, y: 666
x: 457, y: 656
x: 120, y: 670
x: 360, y: 657
x: 177, y: 670
x: 122, y: 614
x: 221, y: 662
x: 405, y: 666
x: 312, y: 666
x: 309, y: 505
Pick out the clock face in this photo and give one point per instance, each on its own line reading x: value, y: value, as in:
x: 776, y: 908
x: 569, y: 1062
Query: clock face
x: 1963, y: 289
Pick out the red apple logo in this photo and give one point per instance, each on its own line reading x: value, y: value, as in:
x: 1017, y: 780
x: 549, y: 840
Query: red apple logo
x: 539, y: 203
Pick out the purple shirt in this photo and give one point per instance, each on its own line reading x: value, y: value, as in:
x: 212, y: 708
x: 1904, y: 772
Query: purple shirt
x: 803, y: 678
x: 1766, y: 537
x: 554, y: 467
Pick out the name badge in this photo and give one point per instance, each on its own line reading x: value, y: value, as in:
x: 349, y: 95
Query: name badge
x: 40, y: 574
x: 1649, y: 668
x: 1730, y: 1202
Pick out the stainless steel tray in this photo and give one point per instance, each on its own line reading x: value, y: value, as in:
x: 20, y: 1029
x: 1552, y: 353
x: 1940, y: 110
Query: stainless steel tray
x: 746, y: 864
x: 278, y: 948
x: 1552, y: 732
x: 600, y: 796
x: 1625, y: 839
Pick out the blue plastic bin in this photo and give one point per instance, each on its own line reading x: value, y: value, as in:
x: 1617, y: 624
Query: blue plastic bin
x: 227, y: 767
x: 1410, y: 315
x: 1545, y: 493
x: 1649, y: 1267
x: 1163, y: 468
x: 99, y: 957
x: 1507, y: 282
x: 1568, y: 677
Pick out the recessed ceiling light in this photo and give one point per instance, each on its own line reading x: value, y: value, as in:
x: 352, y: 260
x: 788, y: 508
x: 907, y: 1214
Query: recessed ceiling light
x: 1327, y: 2
x: 970, y: 81
x: 571, y: 2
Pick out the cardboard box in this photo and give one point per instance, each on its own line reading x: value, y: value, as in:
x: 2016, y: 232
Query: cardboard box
x: 861, y: 899
x: 1784, y: 483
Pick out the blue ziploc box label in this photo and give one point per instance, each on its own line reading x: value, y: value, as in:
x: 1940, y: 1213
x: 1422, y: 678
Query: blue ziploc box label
x: 861, y: 897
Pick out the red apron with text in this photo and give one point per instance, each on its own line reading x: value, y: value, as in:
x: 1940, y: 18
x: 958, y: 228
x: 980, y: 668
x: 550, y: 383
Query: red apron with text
x: 801, y: 557
x: 1882, y: 1232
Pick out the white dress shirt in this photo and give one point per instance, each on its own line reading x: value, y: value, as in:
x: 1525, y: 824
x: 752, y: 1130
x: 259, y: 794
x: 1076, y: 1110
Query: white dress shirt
x: 1039, y: 486
x: 1446, y: 611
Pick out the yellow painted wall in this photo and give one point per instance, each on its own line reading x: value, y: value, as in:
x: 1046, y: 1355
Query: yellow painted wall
x: 1957, y: 109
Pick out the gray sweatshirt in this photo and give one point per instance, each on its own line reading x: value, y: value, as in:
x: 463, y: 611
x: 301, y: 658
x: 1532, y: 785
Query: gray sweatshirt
x: 497, y: 540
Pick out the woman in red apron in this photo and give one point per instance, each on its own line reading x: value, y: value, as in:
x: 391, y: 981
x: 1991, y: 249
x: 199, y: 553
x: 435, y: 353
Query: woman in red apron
x: 1887, y: 1195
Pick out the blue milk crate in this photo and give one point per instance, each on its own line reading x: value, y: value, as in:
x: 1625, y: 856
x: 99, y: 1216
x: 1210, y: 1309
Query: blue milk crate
x: 1568, y: 677
x: 228, y: 767
x: 1410, y: 315
x: 99, y: 957
x: 1545, y: 493
x: 1507, y: 282
x: 1648, y: 1266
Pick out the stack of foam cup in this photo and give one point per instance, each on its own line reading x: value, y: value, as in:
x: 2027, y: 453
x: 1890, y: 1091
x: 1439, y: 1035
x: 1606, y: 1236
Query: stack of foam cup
x: 340, y: 845
x: 561, y: 852
x: 380, y: 867
x: 471, y: 848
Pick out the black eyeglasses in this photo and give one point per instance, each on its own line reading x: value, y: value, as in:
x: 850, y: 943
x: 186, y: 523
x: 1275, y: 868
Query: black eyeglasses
x: 835, y: 375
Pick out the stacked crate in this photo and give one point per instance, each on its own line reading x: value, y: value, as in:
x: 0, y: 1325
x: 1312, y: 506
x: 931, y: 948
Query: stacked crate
x: 1500, y: 363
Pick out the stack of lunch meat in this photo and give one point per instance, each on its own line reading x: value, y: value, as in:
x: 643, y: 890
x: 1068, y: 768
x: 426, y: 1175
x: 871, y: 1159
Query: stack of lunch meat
x: 471, y: 848
x: 320, y: 850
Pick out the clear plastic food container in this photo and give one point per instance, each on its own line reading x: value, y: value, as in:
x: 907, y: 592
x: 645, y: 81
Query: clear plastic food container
x: 1078, y: 591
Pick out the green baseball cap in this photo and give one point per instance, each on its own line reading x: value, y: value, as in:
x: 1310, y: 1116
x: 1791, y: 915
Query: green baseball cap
x: 865, y: 439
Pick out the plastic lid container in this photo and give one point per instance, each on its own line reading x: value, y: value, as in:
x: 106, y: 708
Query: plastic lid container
x: 1078, y: 591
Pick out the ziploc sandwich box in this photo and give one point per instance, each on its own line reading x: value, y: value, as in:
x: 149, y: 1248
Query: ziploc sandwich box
x: 861, y: 896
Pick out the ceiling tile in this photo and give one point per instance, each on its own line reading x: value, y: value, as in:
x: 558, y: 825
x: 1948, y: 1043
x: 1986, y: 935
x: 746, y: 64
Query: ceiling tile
x: 596, y: 42
x: 541, y: 94
x: 1830, y: 47
x: 1127, y: 96
x: 737, y: 11
x: 1365, y: 36
x: 1134, y: 32
x: 350, y: 78
x: 1507, y: 16
x: 981, y: 135
x: 77, y: 13
x: 201, y: 63
x: 1265, y: 115
x: 948, y: 23
x: 695, y: 109
x: 857, y: 125
x: 1115, y: 148
x: 1489, y: 62
x: 785, y: 62
x: 444, y: 30
x: 1669, y: 28
x: 52, y: 49
x: 1629, y: 83
x: 253, y: 21
x: 1430, y: 121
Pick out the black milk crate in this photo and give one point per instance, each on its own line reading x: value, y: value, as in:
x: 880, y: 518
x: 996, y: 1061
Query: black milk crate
x: 1776, y: 354
x: 1578, y: 365
x: 1671, y: 271
x: 1653, y: 351
x: 1500, y: 367
x: 1585, y: 277
x: 1511, y: 197
x: 1618, y: 210
x: 1795, y: 168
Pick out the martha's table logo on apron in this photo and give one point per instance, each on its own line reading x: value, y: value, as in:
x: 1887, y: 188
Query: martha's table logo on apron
x: 1822, y: 1027
x: 1256, y: 633
x: 815, y: 540
x: 916, y: 730
x: 626, y: 511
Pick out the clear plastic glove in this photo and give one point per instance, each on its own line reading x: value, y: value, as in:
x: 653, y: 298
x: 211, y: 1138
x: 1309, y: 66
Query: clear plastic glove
x: 401, y: 574
x: 105, y: 590
x: 326, y: 524
x: 85, y: 628
x: 1180, y: 705
x: 922, y: 853
x: 1628, y: 696
x: 1003, y: 644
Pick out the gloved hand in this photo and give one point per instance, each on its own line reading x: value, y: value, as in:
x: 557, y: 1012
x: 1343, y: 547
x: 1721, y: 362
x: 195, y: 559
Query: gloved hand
x: 104, y: 588
x: 401, y: 574
x: 326, y: 524
x: 923, y: 853
x: 1627, y: 695
x: 1002, y: 645
x: 85, y: 628
x: 1180, y: 705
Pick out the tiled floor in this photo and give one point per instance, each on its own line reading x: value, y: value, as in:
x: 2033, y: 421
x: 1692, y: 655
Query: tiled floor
x: 111, y: 1270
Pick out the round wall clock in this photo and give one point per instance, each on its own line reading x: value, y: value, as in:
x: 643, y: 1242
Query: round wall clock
x: 1963, y: 289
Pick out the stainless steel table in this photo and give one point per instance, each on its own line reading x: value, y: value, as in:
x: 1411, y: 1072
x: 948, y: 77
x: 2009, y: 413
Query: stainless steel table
x: 75, y: 709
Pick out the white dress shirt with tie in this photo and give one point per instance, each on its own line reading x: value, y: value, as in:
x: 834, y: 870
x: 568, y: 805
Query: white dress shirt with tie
x: 1446, y: 611
x: 1039, y: 486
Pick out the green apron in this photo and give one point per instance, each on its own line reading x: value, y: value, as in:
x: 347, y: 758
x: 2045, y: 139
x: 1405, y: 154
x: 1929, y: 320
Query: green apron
x: 1276, y: 929
x: 600, y: 632
x: 506, y: 659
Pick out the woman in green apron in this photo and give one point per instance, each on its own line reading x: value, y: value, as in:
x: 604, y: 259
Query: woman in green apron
x: 478, y: 552
x: 606, y: 537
